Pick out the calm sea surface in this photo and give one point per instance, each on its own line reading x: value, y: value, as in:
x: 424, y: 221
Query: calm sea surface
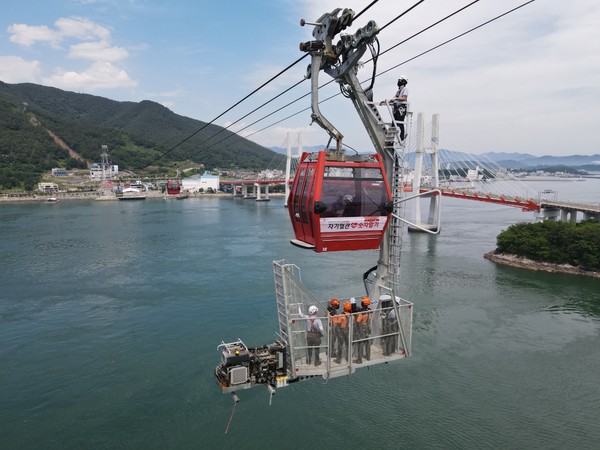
x: 111, y: 313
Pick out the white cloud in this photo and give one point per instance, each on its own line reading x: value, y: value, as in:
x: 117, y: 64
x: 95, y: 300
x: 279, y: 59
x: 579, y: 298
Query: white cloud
x: 81, y: 28
x: 101, y: 75
x: 96, y: 47
x: 28, y: 35
x: 14, y: 69
x: 97, y: 51
x: 71, y: 27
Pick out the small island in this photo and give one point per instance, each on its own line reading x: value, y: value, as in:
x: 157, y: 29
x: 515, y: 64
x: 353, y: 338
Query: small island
x: 550, y: 246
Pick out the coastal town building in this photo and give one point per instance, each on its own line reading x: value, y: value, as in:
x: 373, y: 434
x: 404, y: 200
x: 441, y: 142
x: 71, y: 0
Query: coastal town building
x: 59, y: 172
x: 97, y: 173
x: 47, y: 187
x: 201, y: 183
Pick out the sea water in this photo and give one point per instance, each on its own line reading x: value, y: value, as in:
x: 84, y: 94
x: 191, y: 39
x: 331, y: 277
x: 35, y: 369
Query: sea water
x: 111, y: 314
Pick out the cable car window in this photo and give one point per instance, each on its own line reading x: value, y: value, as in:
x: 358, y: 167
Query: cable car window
x: 307, y: 189
x: 297, y: 196
x: 353, y: 192
x: 338, y: 172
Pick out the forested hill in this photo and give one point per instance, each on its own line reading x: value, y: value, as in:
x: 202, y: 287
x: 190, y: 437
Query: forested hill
x: 43, y: 127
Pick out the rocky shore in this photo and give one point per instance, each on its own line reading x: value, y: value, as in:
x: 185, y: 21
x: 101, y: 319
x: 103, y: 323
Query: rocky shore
x: 524, y: 263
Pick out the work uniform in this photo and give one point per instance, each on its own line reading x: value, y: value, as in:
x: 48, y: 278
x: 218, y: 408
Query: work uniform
x: 400, y: 109
x: 340, y: 336
x: 314, y: 333
x: 363, y: 320
x: 390, y: 326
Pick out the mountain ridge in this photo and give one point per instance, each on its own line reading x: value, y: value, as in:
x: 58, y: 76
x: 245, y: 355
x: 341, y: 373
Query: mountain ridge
x: 140, y: 135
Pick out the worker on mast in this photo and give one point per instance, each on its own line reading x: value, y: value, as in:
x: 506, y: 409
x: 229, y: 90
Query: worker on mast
x: 400, y: 103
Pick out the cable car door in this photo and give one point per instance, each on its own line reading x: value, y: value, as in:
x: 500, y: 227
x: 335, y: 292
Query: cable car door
x: 301, y: 212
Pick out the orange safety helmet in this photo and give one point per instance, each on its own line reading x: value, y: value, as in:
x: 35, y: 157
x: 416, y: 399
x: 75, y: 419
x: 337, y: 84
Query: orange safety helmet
x: 335, y: 303
x: 366, y: 301
x: 347, y: 306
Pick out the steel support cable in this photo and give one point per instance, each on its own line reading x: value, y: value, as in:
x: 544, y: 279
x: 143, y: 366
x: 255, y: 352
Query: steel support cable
x: 391, y: 68
x: 457, y: 36
x: 401, y: 15
x: 365, y: 9
x: 414, y: 57
x: 381, y: 53
x: 243, y: 117
x: 249, y: 95
x: 387, y: 70
x: 287, y: 90
x: 230, y: 108
x: 273, y: 124
x: 425, y: 29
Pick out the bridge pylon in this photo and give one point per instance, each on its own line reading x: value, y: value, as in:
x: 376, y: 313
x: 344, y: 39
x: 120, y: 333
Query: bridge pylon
x: 289, y: 163
x: 429, y: 182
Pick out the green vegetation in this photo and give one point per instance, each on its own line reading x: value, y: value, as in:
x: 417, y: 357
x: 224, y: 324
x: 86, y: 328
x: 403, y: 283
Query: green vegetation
x: 140, y: 136
x: 554, y: 242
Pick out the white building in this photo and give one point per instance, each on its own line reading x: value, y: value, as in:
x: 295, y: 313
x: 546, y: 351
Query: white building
x: 96, y: 171
x: 47, y: 187
x: 204, y: 182
x: 271, y: 175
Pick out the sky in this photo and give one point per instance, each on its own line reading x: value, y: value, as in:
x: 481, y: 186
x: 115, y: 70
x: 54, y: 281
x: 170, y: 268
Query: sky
x: 528, y: 82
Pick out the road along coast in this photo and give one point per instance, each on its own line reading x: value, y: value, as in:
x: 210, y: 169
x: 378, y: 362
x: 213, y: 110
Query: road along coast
x: 97, y: 195
x: 524, y: 263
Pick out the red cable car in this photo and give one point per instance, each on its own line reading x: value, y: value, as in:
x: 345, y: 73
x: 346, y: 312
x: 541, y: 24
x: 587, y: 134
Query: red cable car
x: 339, y: 202
x: 173, y: 187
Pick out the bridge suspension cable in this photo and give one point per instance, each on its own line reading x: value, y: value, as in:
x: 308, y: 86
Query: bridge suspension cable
x: 236, y: 133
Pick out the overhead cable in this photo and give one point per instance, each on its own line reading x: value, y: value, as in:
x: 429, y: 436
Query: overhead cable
x: 229, y: 109
x: 247, y: 96
x: 299, y: 98
x: 404, y: 62
x: 332, y: 80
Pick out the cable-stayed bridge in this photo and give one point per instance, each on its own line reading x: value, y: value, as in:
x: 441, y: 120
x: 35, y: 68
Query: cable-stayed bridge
x: 430, y: 173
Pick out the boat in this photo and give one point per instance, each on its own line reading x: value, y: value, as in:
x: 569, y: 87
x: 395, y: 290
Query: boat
x: 130, y: 194
x: 52, y: 200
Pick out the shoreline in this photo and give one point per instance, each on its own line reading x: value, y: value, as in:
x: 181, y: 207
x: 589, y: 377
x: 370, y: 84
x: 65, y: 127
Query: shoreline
x: 95, y: 195
x: 524, y: 263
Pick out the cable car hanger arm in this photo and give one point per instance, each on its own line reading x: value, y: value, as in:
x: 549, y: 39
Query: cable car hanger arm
x: 316, y: 115
x: 341, y: 61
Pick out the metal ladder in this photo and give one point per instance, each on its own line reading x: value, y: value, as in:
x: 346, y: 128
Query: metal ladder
x: 396, y: 148
x: 280, y: 297
x: 396, y: 225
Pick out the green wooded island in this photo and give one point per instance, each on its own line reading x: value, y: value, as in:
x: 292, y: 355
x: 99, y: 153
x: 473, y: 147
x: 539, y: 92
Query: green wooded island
x: 551, y: 247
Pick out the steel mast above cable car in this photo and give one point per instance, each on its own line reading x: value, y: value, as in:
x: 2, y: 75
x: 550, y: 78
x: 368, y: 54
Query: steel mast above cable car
x: 378, y: 180
x: 341, y: 61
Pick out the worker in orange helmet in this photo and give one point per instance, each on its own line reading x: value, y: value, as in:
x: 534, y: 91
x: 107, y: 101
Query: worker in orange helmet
x: 343, y: 320
x: 364, y: 330
x: 332, y: 308
x: 354, y: 309
x: 334, y: 304
x: 336, y: 322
